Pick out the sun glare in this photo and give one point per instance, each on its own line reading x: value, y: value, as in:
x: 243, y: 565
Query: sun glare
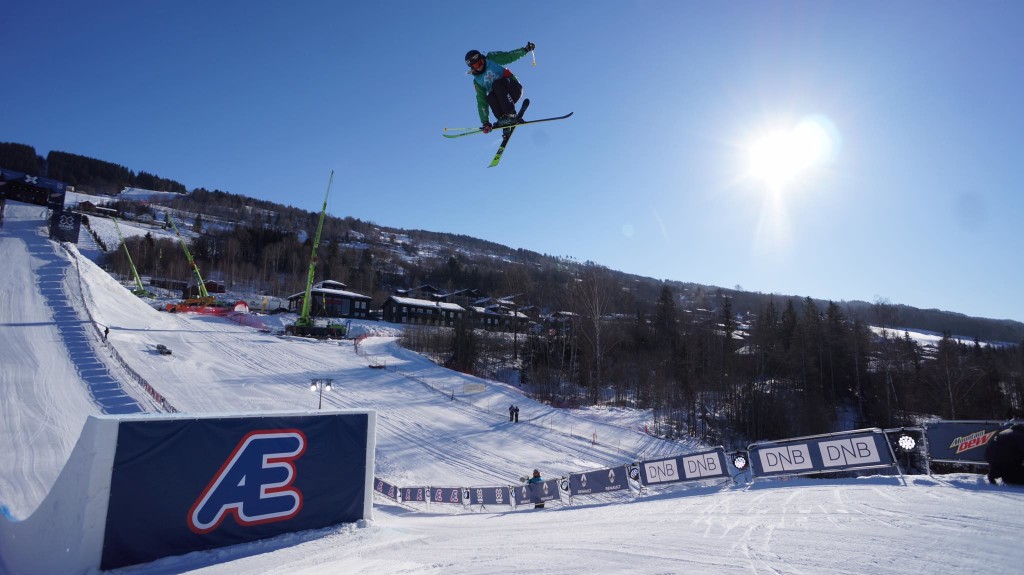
x: 779, y: 157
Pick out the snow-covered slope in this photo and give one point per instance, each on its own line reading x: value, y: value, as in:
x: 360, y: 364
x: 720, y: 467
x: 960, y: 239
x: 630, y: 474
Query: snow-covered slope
x: 431, y: 432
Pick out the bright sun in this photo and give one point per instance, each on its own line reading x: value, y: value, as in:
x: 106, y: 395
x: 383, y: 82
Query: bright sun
x: 778, y: 157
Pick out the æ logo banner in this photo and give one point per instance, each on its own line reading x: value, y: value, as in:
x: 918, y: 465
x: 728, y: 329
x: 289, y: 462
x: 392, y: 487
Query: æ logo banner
x: 183, y: 485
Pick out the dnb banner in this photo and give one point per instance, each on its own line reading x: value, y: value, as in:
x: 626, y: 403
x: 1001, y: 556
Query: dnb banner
x: 690, y: 467
x: 183, y: 485
x: 860, y: 449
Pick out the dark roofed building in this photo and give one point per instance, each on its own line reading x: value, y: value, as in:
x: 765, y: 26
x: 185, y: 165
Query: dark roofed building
x: 426, y: 291
x: 332, y: 299
x: 414, y: 311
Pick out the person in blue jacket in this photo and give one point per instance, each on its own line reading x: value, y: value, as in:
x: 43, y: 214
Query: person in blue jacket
x: 496, y: 86
x: 537, y: 479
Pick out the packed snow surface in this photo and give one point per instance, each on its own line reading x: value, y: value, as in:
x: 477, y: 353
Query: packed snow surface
x: 434, y: 430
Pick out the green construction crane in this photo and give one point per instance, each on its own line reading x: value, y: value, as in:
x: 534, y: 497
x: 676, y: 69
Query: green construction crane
x: 140, y: 289
x: 304, y: 320
x: 199, y: 278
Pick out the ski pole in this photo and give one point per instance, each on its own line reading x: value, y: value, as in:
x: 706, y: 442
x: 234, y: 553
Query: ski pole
x: 533, y: 54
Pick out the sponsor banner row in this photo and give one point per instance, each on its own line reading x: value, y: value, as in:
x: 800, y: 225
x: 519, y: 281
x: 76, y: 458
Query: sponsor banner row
x: 709, y: 464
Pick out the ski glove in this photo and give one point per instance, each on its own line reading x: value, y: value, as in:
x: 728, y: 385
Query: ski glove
x: 530, y: 46
x: 487, y: 127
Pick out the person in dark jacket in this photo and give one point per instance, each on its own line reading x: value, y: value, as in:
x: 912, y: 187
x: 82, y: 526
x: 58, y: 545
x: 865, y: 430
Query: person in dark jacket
x: 511, y: 412
x: 1005, y: 456
x: 516, y: 413
x: 496, y: 86
x: 536, y: 479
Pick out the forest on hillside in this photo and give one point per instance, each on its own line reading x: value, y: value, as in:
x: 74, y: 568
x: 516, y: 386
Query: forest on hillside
x: 87, y: 175
x: 375, y: 259
x: 793, y: 369
x: 263, y: 247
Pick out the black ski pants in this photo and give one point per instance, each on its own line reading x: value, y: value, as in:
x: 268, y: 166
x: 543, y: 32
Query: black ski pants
x: 504, y: 94
x: 1005, y: 456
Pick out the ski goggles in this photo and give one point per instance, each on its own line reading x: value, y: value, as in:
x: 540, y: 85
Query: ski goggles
x: 471, y: 62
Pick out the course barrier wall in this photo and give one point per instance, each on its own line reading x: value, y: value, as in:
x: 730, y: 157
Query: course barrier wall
x: 845, y: 451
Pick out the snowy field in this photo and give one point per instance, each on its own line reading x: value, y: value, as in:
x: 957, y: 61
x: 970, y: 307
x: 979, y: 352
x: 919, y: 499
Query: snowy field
x: 431, y: 432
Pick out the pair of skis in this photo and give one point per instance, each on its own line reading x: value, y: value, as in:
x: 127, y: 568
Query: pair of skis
x: 509, y: 130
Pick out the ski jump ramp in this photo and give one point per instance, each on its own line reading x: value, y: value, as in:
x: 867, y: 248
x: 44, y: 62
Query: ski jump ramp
x: 138, y: 488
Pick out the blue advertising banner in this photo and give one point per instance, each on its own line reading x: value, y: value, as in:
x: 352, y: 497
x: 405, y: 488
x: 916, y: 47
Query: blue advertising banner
x: 30, y: 189
x: 415, y: 494
x: 386, y: 489
x: 599, y: 481
x: 183, y: 485
x: 537, y: 492
x: 64, y: 226
x: 446, y: 495
x: 961, y: 441
x: 689, y: 467
x: 500, y: 495
x: 860, y: 449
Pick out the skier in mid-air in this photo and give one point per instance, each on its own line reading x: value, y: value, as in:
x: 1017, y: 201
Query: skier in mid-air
x: 496, y: 86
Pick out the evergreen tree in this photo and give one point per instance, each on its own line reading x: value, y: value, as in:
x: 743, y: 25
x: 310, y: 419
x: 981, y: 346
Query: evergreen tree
x: 665, y: 315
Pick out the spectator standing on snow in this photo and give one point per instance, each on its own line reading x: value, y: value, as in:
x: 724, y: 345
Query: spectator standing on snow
x: 1005, y: 456
x: 516, y: 412
x: 511, y: 412
x: 536, y: 479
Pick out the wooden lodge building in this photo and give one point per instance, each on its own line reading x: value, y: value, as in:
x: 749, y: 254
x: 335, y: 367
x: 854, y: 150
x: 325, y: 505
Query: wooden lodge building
x: 407, y: 310
x: 332, y: 299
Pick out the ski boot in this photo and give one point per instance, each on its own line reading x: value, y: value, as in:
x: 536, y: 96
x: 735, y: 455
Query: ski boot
x: 506, y: 122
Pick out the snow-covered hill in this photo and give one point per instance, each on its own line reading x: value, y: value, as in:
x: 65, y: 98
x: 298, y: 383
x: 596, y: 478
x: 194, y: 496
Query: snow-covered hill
x: 431, y: 432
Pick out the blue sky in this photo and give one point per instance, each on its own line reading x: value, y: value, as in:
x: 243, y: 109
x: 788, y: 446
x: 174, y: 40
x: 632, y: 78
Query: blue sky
x: 918, y: 199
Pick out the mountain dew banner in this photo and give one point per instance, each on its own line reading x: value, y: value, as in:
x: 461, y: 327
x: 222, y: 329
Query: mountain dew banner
x: 386, y: 489
x: 690, y: 467
x: 961, y: 441
x: 860, y: 449
x: 500, y: 495
x: 599, y: 481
